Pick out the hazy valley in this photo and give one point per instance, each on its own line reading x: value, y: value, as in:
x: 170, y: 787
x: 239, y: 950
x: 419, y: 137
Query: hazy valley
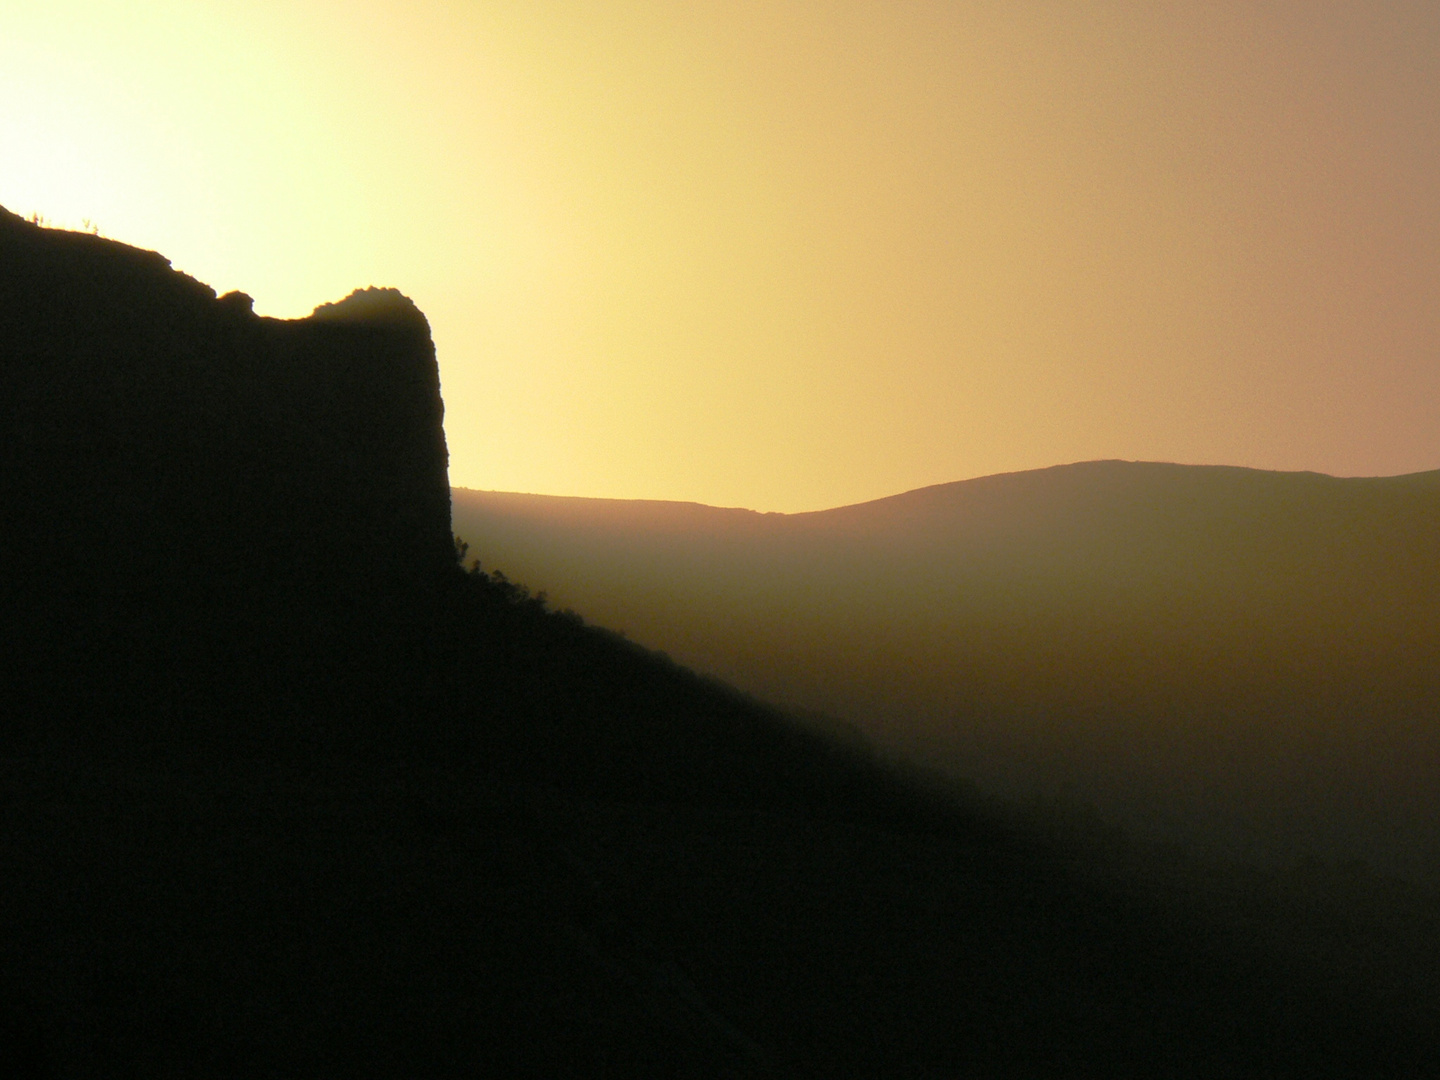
x: 1245, y: 659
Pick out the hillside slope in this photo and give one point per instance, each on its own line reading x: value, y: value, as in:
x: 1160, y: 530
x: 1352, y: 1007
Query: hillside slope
x: 479, y: 838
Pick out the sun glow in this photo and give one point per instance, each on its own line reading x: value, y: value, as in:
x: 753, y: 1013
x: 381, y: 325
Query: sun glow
x: 794, y: 255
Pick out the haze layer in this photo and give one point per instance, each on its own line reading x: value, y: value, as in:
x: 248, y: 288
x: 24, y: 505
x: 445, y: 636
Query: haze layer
x: 1245, y: 657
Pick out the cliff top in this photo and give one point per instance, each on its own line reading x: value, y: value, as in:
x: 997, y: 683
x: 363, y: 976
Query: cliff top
x: 374, y: 305
x: 87, y: 252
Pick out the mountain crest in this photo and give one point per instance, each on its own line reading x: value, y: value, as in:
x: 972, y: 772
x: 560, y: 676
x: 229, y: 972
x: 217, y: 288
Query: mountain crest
x: 373, y: 305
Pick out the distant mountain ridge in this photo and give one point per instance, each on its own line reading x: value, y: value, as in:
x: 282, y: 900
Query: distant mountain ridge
x: 1195, y: 649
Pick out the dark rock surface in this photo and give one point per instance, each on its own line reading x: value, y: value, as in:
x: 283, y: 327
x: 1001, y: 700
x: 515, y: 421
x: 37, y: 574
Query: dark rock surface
x: 148, y: 426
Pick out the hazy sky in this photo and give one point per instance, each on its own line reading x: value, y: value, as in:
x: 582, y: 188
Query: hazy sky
x: 791, y: 255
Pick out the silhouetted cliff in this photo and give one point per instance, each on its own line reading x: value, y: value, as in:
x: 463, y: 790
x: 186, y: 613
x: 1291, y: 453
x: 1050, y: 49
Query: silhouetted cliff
x: 148, y: 425
x: 283, y: 792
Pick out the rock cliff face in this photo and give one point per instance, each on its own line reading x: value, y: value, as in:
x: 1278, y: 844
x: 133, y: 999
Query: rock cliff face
x: 147, y: 427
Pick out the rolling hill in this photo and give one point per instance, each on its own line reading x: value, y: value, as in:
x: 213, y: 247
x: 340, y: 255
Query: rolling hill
x: 1241, y: 658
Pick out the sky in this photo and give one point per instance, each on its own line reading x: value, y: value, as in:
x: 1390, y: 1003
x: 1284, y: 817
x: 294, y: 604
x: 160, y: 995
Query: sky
x: 791, y: 255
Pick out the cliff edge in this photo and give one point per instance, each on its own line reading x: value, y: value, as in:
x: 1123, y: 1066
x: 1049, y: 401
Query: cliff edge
x: 148, y: 426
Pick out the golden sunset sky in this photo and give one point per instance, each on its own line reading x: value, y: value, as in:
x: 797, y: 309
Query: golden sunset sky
x: 790, y: 255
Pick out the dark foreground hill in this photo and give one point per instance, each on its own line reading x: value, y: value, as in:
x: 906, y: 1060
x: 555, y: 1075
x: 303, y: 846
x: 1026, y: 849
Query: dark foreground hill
x: 1244, y: 658
x: 279, y: 817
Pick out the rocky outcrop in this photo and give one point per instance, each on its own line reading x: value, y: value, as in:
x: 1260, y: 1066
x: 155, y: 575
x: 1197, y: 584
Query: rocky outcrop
x: 156, y: 439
